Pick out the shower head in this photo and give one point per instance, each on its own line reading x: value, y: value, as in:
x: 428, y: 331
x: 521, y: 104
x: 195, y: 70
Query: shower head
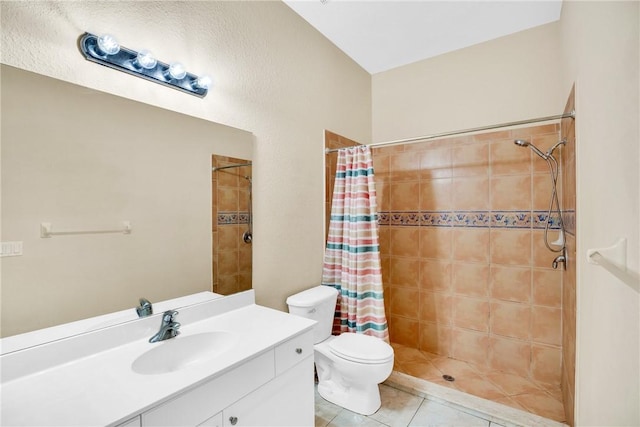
x: 523, y: 143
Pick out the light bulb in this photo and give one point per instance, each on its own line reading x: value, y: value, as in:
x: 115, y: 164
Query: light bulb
x: 177, y: 71
x: 145, y: 59
x: 203, y: 82
x: 108, y: 44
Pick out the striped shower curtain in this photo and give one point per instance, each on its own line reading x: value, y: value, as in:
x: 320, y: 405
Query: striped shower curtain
x: 352, y: 256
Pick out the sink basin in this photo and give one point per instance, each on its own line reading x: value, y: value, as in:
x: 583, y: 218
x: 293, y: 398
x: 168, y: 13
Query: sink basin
x: 183, y: 351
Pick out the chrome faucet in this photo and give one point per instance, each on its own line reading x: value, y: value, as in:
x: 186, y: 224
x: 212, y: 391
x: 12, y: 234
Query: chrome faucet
x: 561, y: 259
x: 145, y: 308
x: 169, y: 328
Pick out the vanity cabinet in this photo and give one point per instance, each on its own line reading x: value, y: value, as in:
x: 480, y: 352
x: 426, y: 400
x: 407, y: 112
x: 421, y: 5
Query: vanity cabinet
x: 287, y: 400
x: 273, y: 388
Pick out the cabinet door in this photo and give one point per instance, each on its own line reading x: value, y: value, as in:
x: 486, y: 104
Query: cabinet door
x: 193, y: 407
x: 287, y: 400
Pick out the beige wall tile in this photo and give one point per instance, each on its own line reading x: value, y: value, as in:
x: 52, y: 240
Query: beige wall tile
x: 228, y: 237
x: 403, y: 331
x: 435, y: 338
x: 227, y: 262
x: 383, y: 196
x: 511, y: 247
x: 404, y: 196
x: 470, y: 346
x: 471, y: 279
x: 435, y: 307
x: 511, y: 283
x: 471, y: 313
x: 404, y: 302
x: 435, y: 275
x: 435, y: 242
x: 470, y: 193
x: 542, y: 190
x: 511, y: 319
x: 404, y: 271
x: 509, y: 356
x: 546, y: 325
x: 404, y: 241
x: 471, y: 244
x: 404, y: 167
x: 381, y: 167
x: 507, y: 158
x: 227, y: 199
x: 546, y: 364
x: 471, y: 159
x: 542, y: 256
x: 435, y: 194
x: 484, y: 294
x: 227, y: 177
x: 435, y: 163
x: 511, y: 192
x: 227, y: 284
x: 547, y: 288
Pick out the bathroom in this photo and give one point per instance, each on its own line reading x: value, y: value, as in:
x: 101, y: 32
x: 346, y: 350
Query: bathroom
x: 269, y: 85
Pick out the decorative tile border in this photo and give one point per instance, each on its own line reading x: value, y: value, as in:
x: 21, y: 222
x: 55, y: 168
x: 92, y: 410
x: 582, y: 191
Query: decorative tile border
x: 511, y: 219
x: 232, y: 218
x: 481, y: 219
x: 471, y: 219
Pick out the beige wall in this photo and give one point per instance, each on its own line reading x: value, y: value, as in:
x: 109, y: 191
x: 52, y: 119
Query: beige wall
x: 600, y: 53
x: 511, y: 78
x: 274, y: 75
x: 87, y: 160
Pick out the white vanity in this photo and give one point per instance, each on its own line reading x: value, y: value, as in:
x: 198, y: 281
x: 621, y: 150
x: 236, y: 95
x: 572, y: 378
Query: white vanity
x: 233, y: 364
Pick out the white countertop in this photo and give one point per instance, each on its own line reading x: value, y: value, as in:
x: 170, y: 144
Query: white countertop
x: 101, y: 388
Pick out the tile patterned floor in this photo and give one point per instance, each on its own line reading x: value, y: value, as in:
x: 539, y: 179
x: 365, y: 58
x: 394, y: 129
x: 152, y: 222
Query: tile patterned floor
x: 399, y: 409
x: 511, y: 390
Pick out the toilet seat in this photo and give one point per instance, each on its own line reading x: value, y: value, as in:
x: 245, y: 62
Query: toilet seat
x: 361, y: 348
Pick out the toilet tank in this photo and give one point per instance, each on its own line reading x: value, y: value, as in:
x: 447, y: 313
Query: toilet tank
x: 319, y: 304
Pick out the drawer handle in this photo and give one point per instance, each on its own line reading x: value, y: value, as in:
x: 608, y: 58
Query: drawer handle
x: 233, y: 420
x: 299, y: 350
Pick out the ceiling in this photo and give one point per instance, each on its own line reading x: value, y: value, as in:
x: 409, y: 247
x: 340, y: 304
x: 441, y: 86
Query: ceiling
x: 384, y: 34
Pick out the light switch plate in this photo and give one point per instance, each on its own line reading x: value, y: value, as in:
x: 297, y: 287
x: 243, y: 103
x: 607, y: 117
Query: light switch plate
x: 11, y: 249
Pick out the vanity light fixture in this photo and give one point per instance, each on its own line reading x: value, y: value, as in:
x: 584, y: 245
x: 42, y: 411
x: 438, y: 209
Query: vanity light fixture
x: 105, y: 50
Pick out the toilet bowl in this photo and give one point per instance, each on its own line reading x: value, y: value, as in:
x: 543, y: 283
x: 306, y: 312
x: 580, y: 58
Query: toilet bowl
x: 349, y: 366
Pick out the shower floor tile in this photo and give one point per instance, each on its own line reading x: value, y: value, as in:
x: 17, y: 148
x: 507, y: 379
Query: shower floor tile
x: 517, y: 392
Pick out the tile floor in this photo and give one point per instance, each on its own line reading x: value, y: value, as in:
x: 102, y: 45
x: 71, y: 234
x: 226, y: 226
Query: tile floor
x: 399, y: 409
x: 521, y: 393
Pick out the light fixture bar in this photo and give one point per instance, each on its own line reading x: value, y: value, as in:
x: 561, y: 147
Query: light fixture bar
x: 128, y: 61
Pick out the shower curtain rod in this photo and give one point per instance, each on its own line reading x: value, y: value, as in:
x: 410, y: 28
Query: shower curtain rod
x: 571, y: 114
x: 231, y: 166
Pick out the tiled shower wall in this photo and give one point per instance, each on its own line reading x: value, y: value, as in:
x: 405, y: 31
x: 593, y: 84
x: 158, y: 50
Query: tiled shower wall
x: 466, y: 272
x: 232, y: 266
x: 569, y: 276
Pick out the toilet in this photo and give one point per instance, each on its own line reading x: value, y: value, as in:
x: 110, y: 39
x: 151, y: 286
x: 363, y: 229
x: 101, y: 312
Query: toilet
x: 350, y: 366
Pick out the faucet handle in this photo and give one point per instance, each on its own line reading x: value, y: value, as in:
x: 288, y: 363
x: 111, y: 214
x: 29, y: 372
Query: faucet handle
x: 168, y: 316
x: 145, y: 308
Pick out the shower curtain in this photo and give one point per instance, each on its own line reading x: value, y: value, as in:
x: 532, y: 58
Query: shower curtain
x: 352, y: 255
